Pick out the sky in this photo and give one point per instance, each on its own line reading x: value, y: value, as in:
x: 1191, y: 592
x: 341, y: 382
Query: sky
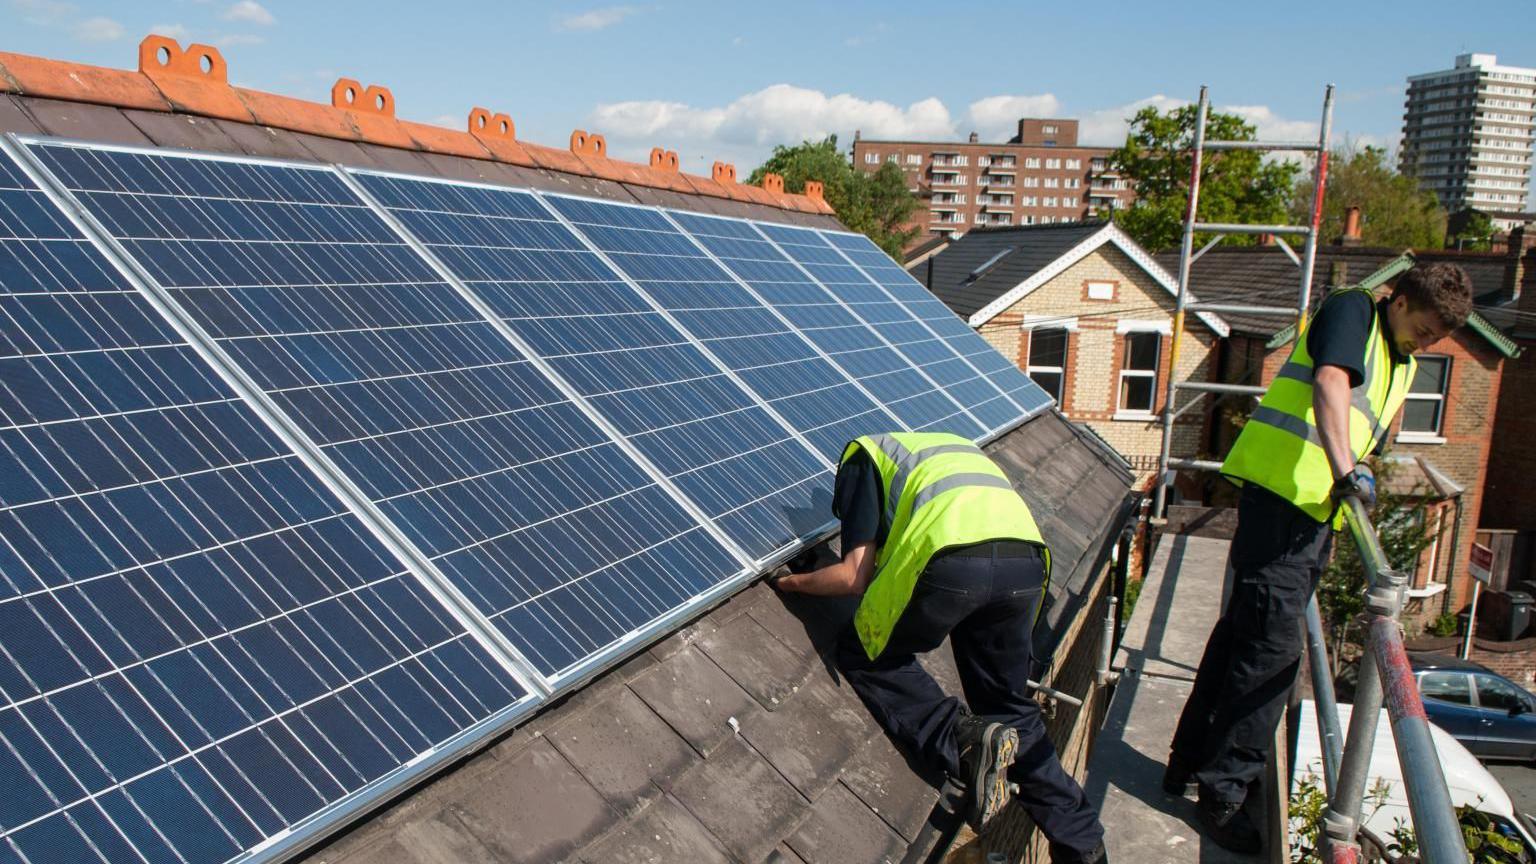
x: 729, y: 81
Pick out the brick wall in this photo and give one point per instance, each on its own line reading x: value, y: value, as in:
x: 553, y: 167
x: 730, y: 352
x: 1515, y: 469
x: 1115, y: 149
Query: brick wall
x: 1514, y: 660
x: 1512, y: 457
x: 1095, y: 352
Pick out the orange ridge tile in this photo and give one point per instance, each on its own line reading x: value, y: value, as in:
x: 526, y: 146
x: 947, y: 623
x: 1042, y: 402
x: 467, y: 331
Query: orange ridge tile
x: 436, y: 139
x: 75, y: 82
x: 371, y: 110
x: 704, y: 186
x: 297, y: 115
x: 194, y: 80
x: 498, y: 134
x: 554, y: 159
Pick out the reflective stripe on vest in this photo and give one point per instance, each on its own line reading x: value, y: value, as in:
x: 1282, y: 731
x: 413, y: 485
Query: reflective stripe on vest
x: 1280, y: 448
x: 940, y: 491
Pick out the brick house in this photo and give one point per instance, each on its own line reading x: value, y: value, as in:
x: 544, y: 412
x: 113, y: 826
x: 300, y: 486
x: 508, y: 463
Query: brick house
x: 1510, y: 512
x: 1089, y: 316
x: 1439, y: 445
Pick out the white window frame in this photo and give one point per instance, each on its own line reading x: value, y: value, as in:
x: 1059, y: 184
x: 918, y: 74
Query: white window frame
x: 1047, y: 322
x: 871, y: 157
x: 1095, y: 288
x: 1127, y: 326
x: 1437, y: 435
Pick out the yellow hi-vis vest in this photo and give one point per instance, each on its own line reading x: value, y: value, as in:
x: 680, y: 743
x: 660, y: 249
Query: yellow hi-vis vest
x: 1279, y: 447
x: 939, y: 491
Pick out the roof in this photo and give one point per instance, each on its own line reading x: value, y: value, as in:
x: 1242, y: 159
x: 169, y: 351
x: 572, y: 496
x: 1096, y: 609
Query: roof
x: 734, y: 737
x: 1418, y: 477
x: 990, y: 269
x: 172, y: 101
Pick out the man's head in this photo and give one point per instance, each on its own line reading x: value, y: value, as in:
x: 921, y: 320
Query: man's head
x: 1427, y: 303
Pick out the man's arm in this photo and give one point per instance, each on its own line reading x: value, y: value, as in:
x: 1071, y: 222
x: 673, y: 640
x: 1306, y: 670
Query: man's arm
x: 846, y: 577
x: 1330, y: 407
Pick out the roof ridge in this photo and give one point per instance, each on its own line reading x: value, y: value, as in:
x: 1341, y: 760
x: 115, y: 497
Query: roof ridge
x: 195, y: 81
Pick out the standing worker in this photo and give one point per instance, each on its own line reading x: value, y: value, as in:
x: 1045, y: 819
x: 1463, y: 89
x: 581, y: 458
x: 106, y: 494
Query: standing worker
x: 939, y: 544
x: 1298, y: 456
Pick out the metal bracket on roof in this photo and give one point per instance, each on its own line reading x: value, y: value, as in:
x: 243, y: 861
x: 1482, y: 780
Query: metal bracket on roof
x: 350, y: 94
x: 773, y: 183
x: 664, y: 160
x: 723, y: 172
x: 162, y: 55
x: 584, y: 143
x: 484, y: 124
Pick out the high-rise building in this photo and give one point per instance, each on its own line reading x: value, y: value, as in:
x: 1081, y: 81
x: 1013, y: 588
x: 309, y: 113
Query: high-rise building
x: 1039, y: 177
x: 1467, y: 135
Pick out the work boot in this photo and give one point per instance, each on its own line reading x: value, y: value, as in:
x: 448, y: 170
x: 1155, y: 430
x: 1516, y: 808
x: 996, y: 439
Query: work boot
x: 986, y: 750
x: 1227, y: 824
x: 1179, y: 776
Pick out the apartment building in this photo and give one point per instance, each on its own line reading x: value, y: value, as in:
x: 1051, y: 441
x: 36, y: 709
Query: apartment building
x: 1467, y: 135
x: 1042, y: 176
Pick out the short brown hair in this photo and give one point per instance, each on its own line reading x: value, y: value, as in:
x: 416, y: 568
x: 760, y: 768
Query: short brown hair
x: 1445, y: 288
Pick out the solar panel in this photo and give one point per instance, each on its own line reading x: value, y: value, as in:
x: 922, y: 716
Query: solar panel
x: 646, y: 377
x: 911, y: 396
x: 506, y: 486
x: 203, y: 651
x: 1003, y: 373
x: 990, y: 408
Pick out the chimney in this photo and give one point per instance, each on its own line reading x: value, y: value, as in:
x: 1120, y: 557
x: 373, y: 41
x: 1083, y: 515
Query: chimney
x: 1266, y: 239
x: 974, y: 139
x: 855, y: 134
x: 1515, y: 267
x: 1351, y: 227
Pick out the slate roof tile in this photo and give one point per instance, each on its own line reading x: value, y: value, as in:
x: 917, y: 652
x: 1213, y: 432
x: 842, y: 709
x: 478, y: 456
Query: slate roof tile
x: 813, y: 736
x: 696, y: 699
x: 742, y: 800
x: 623, y: 749
x: 665, y: 833
x: 842, y: 829
x: 757, y: 660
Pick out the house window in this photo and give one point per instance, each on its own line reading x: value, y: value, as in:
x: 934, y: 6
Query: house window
x: 1100, y: 290
x: 1138, y: 372
x: 914, y: 159
x: 1074, y: 164
x: 1424, y: 410
x: 1031, y: 162
x: 1048, y: 359
x: 871, y: 158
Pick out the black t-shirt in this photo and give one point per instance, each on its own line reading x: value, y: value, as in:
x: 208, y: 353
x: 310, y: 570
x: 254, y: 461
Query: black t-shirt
x: 856, y: 501
x: 1337, y: 334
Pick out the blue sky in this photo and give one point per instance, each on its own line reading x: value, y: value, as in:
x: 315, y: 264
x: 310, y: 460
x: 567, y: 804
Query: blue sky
x: 728, y: 81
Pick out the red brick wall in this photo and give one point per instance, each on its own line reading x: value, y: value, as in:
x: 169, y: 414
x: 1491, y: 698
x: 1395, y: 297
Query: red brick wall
x: 1512, y: 459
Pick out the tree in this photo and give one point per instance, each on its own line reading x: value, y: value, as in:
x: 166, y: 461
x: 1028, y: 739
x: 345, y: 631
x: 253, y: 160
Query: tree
x: 1235, y: 185
x: 1393, y: 212
x: 878, y: 205
x: 1474, y: 233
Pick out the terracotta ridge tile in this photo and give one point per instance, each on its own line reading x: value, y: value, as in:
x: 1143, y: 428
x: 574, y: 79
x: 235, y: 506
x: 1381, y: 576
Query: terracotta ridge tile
x: 26, y: 75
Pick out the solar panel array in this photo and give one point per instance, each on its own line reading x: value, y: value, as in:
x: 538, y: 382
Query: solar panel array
x: 311, y: 478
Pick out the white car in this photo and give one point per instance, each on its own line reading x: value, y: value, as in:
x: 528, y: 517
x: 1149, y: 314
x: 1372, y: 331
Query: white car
x: 1469, y: 782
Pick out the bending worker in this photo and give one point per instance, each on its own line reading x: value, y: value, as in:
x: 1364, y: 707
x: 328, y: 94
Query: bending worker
x: 939, y: 544
x: 1297, y: 457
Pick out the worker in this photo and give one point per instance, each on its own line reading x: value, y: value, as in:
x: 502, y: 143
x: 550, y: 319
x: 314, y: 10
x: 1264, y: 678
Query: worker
x: 939, y: 544
x: 1298, y: 456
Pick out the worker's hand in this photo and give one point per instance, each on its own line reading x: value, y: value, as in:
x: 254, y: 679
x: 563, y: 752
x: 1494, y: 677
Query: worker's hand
x: 1359, y: 483
x: 804, y: 562
x: 776, y: 575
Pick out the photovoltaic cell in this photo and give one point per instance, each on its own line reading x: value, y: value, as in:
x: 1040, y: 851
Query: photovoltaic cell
x: 518, y: 498
x: 916, y: 342
x: 647, y: 378
x: 812, y: 396
x: 201, y: 647
x: 915, y: 400
x: 929, y: 309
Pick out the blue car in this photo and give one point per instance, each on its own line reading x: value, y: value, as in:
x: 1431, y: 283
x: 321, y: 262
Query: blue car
x: 1489, y: 714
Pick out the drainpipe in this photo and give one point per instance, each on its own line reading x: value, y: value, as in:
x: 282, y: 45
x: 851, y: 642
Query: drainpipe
x: 1450, y: 576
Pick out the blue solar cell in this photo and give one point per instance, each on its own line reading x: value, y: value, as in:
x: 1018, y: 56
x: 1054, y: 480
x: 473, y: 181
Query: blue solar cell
x: 929, y: 309
x: 915, y: 399
x: 529, y: 509
x: 648, y: 379
x: 985, y: 403
x: 174, y: 582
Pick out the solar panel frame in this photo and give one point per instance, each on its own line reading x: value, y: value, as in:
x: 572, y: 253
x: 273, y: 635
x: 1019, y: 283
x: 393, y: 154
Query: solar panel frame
x: 318, y: 824
x: 813, y: 535
x: 564, y: 679
x: 1030, y: 410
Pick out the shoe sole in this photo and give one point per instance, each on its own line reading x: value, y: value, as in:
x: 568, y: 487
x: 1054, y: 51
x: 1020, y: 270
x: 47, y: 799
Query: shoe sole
x: 991, y: 778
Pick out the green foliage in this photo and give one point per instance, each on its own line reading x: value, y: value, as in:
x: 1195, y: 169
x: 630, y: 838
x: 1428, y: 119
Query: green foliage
x: 1404, y: 531
x: 1128, y: 602
x: 1486, y: 843
x: 1308, y: 806
x: 1393, y: 212
x: 1444, y: 624
x: 1235, y: 186
x: 1475, y: 233
x: 878, y: 205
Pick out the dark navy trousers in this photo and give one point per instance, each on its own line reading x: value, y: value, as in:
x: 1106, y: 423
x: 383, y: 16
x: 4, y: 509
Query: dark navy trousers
x: 1254, y: 651
x: 986, y: 606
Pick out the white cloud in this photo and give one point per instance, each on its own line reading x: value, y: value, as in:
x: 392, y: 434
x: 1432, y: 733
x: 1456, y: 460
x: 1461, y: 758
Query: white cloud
x: 996, y: 118
x: 747, y: 128
x: 98, y: 29
x: 238, y: 39
x: 596, y: 19
x: 174, y: 31
x: 1106, y: 127
x: 249, y: 11
x: 1271, y: 126
x: 43, y: 12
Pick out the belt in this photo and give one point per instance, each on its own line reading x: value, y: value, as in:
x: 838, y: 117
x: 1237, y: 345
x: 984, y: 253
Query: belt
x: 996, y: 549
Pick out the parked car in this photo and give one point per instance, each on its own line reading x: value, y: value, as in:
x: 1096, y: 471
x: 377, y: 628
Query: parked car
x: 1489, y: 714
x: 1467, y: 780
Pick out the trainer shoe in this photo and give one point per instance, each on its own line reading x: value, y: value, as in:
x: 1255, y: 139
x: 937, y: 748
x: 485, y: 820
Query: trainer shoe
x: 986, y: 749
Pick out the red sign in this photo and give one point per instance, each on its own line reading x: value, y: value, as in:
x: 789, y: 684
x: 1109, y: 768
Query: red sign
x: 1481, y: 564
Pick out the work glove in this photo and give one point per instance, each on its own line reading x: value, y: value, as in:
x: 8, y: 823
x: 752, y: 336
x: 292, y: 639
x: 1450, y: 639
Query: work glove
x: 1359, y: 483
x: 804, y: 562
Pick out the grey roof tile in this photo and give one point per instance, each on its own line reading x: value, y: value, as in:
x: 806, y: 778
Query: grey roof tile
x: 539, y: 808
x: 265, y: 141
x: 664, y: 833
x: 82, y: 120
x: 696, y: 698
x: 182, y: 131
x: 742, y: 800
x: 842, y: 829
x: 1025, y: 250
x: 13, y: 118
x: 813, y: 737
x: 437, y: 839
x: 623, y: 749
x: 900, y: 789
x: 756, y: 660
